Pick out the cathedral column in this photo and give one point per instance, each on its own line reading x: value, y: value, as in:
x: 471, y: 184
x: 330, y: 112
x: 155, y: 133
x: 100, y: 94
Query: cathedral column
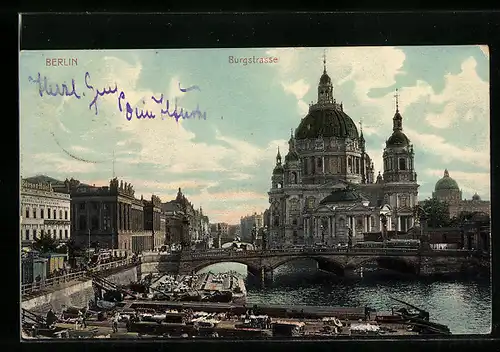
x: 323, y: 164
x: 128, y: 216
x: 398, y: 219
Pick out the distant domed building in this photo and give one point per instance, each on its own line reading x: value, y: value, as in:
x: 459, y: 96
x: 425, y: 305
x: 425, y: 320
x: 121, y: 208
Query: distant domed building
x: 326, y: 188
x: 447, y: 190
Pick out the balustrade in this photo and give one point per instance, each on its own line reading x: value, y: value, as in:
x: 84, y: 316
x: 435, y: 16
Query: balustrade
x: 52, y: 282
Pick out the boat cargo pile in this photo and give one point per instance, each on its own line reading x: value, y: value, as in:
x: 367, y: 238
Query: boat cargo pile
x: 152, y: 319
x: 214, y: 305
x: 206, y: 287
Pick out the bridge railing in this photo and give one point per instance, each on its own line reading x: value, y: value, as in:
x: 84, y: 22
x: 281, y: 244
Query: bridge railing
x: 53, y: 282
x: 323, y: 251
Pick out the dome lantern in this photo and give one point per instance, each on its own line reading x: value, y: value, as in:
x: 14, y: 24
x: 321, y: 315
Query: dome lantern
x: 398, y: 138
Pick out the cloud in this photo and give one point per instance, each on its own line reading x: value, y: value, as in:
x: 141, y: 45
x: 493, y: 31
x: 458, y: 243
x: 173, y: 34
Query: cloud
x: 469, y: 182
x: 298, y: 88
x: 376, y: 156
x: 438, y: 146
x: 52, y: 163
x: 485, y: 49
x: 462, y: 98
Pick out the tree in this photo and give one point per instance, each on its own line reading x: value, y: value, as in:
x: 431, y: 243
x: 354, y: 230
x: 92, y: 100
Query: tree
x: 70, y: 247
x: 461, y: 218
x: 45, y: 244
x: 437, y: 213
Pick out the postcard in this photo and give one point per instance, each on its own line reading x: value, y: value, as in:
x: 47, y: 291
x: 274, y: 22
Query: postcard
x: 255, y: 193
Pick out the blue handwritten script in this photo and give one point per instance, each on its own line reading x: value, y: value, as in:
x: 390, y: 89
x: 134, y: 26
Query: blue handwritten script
x: 189, y: 88
x: 45, y: 88
x: 98, y: 93
x: 54, y: 90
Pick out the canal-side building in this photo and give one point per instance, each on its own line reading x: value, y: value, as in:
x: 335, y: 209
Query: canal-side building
x: 109, y: 216
x: 154, y: 221
x: 185, y: 224
x: 175, y: 222
x: 326, y: 152
x: 43, y: 211
x: 249, y: 223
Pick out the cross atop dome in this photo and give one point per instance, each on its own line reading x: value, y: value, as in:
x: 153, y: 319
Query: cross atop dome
x: 324, y: 61
x: 396, y: 95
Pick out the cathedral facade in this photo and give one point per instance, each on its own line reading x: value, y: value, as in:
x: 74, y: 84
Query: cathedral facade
x: 325, y: 190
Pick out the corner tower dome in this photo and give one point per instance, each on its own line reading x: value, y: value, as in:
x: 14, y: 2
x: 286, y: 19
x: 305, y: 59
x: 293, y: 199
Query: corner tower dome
x: 446, y: 183
x: 398, y: 138
x: 326, y: 118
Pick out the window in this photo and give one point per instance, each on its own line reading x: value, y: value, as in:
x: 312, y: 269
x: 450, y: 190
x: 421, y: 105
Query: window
x: 48, y: 213
x: 42, y: 213
x: 27, y: 213
x: 65, y: 215
x: 82, y: 206
x: 294, y: 221
x: 402, y: 164
x: 320, y: 162
x: 60, y: 214
x: 49, y: 232
x: 55, y: 214
x: 34, y: 234
x: 27, y: 236
x: 342, y: 222
x: 42, y: 232
x: 310, y: 202
x: 66, y: 234
x: 60, y: 234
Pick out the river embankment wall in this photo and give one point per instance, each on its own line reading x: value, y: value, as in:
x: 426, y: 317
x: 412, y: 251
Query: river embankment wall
x: 77, y: 294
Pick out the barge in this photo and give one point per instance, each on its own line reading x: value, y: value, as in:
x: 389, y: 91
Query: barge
x: 167, y: 307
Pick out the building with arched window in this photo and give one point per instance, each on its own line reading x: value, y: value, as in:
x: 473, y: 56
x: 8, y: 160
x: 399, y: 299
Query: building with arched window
x: 325, y: 187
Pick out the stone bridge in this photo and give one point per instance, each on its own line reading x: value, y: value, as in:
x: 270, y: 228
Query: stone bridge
x: 341, y: 263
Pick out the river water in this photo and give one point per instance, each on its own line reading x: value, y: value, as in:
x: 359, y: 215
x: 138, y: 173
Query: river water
x: 463, y: 304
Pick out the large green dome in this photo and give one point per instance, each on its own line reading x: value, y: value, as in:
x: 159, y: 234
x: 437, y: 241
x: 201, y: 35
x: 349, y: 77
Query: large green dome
x: 446, y: 183
x: 326, y: 122
x: 342, y: 195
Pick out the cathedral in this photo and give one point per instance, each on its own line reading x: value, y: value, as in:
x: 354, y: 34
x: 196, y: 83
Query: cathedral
x: 325, y: 189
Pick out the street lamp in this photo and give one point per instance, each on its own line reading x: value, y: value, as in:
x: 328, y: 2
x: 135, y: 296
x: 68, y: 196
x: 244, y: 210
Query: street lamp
x: 89, y: 244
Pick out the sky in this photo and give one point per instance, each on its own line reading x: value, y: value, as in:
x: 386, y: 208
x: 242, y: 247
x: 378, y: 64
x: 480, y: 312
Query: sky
x: 223, y: 155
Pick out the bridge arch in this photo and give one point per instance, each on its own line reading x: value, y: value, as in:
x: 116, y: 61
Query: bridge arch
x: 325, y: 264
x: 398, y: 264
x: 251, y: 267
